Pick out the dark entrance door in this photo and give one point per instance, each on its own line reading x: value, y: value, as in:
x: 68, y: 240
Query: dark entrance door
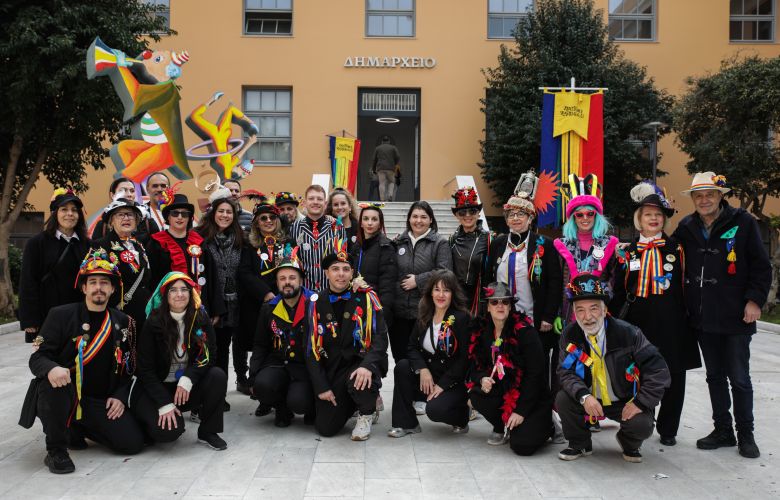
x: 395, y: 113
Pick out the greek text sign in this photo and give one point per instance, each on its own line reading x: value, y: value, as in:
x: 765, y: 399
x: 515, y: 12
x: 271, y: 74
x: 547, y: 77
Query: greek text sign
x: 389, y: 62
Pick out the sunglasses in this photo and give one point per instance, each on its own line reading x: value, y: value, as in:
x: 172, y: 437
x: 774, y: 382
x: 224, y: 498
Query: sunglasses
x: 267, y: 218
x: 180, y: 213
x: 503, y: 302
x: 463, y: 212
x: 585, y: 213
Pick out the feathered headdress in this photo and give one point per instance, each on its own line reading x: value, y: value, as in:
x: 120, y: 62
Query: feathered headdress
x: 166, y: 197
x: 60, y: 196
x: 648, y: 194
x: 286, y: 197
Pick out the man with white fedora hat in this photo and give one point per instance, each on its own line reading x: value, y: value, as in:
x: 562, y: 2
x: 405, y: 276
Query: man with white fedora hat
x: 727, y: 276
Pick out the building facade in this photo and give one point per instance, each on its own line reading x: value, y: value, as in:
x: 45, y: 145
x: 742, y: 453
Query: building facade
x: 409, y: 69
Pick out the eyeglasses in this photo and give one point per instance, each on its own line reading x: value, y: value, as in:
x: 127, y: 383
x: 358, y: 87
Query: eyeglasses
x: 125, y: 215
x: 268, y: 218
x: 503, y: 302
x: 585, y: 213
x: 179, y: 290
x: 180, y: 213
x: 463, y: 212
x: 516, y: 215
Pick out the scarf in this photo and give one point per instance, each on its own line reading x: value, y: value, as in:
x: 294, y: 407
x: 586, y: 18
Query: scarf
x: 651, y: 276
x: 226, y: 257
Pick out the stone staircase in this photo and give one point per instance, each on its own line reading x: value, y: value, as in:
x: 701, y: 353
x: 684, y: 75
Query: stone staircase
x: 395, y: 217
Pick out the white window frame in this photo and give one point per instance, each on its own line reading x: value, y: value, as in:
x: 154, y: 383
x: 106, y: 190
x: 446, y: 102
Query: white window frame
x: 653, y: 18
x: 256, y: 114
x: 753, y: 17
x: 392, y: 13
x: 248, y: 10
x: 503, y: 15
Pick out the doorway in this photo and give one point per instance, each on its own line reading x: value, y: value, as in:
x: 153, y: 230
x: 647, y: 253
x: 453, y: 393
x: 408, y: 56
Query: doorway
x: 394, y: 113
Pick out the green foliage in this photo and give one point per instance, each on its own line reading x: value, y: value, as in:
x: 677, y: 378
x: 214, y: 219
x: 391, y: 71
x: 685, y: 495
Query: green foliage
x: 15, y: 265
x: 559, y: 40
x: 724, y: 123
x: 61, y: 117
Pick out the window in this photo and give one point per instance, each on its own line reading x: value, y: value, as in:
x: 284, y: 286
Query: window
x: 389, y: 17
x: 632, y: 20
x: 752, y: 21
x: 270, y: 109
x: 163, y: 9
x: 268, y: 17
x: 503, y: 16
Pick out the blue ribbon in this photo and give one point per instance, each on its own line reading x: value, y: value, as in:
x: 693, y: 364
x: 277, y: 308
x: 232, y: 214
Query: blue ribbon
x: 574, y: 357
x: 665, y: 277
x: 344, y: 296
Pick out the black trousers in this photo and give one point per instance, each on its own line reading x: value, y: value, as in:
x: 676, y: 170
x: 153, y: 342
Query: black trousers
x: 285, y: 388
x: 208, y: 396
x: 399, y: 336
x: 632, y: 432
x: 224, y: 337
x: 668, y: 420
x: 240, y: 360
x: 449, y: 407
x: 122, y: 435
x: 527, y: 437
x: 727, y: 360
x: 331, y: 419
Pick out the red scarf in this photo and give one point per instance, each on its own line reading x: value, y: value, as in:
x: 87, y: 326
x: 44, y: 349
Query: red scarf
x: 178, y: 258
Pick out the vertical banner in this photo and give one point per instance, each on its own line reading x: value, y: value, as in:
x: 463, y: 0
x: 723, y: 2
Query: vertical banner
x: 572, y: 142
x: 344, y: 157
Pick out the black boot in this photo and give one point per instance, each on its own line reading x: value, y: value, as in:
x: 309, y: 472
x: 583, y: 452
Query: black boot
x: 717, y: 439
x: 59, y: 462
x: 747, y: 445
x: 283, y: 417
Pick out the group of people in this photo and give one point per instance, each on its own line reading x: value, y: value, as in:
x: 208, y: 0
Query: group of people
x: 544, y: 338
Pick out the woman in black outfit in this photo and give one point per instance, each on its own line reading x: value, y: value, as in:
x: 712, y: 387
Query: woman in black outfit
x: 374, y: 257
x: 506, y: 383
x: 223, y: 241
x: 176, y: 366
x: 51, y: 262
x: 469, y: 244
x: 121, y: 218
x: 652, y: 299
x: 436, y: 361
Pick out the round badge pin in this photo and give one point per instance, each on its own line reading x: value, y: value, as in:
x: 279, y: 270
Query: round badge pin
x: 353, y: 239
x: 346, y: 315
x: 314, y: 297
x: 598, y: 253
x: 670, y: 258
x: 201, y: 281
x: 668, y: 266
x: 306, y: 246
x: 401, y: 251
x: 665, y: 284
x: 85, y: 327
x: 201, y: 268
x: 264, y: 256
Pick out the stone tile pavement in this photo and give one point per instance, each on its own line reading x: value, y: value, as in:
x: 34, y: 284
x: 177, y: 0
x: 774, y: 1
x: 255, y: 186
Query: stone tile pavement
x: 265, y: 462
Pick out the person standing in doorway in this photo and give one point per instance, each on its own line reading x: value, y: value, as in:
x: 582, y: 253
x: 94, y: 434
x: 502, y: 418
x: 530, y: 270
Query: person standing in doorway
x: 385, y: 163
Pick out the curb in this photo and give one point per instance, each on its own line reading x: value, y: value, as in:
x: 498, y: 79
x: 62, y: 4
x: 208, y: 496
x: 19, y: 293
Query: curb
x: 9, y: 328
x: 768, y: 327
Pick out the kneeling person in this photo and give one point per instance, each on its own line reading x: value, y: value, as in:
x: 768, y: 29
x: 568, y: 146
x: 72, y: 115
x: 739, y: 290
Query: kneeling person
x: 347, y: 348
x: 625, y: 381
x: 85, y: 355
x: 278, y: 365
x: 176, y: 365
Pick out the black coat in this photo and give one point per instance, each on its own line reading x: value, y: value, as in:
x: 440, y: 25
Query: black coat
x: 625, y: 345
x: 154, y: 361
x: 546, y: 289
x: 253, y: 286
x: 470, y: 262
x: 716, y: 299
x: 340, y: 352
x: 279, y: 342
x: 448, y: 367
x: 45, y: 284
x: 431, y: 253
x: 378, y: 267
x: 63, y: 325
x: 524, y: 384
x: 136, y: 306
x: 662, y: 318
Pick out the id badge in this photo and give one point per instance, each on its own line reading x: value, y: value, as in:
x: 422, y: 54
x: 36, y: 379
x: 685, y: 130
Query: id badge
x: 634, y: 265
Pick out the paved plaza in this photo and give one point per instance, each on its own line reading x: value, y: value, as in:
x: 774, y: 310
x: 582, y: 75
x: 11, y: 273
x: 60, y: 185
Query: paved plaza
x: 265, y: 462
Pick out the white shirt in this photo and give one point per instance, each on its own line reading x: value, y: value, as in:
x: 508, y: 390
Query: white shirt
x: 427, y: 343
x: 642, y: 239
x: 525, y: 299
x: 61, y: 236
x: 415, y: 240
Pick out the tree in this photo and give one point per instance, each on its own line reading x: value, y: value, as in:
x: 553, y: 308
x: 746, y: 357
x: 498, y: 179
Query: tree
x: 727, y: 122
x: 56, y: 123
x: 559, y: 40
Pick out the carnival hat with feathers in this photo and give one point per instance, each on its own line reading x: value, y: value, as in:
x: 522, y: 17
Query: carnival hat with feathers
x: 171, y: 199
x: 586, y: 286
x: 647, y: 194
x: 283, y: 197
x: 583, y: 191
x: 466, y: 197
x: 290, y: 260
x: 61, y: 196
x: 340, y: 252
x: 703, y: 181
x: 498, y: 290
x: 263, y: 204
x: 99, y: 262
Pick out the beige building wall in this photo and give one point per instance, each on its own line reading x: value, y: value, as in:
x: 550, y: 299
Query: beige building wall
x: 691, y: 39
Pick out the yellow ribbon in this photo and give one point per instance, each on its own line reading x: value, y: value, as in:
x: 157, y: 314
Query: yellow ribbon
x: 599, y: 372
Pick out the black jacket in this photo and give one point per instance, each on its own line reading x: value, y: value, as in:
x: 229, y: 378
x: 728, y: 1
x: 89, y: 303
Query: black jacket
x: 662, y: 318
x: 44, y: 283
x: 448, y: 366
x: 470, y: 262
x: 154, y: 362
x: 524, y: 384
x: 378, y: 267
x: 63, y: 326
x: 340, y: 352
x: 545, y: 288
x: 716, y: 299
x: 279, y: 340
x: 625, y: 344
x: 136, y: 306
x: 431, y: 253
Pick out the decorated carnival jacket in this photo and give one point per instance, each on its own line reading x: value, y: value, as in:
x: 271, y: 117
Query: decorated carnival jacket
x: 449, y: 361
x: 515, y: 362
x: 358, y: 338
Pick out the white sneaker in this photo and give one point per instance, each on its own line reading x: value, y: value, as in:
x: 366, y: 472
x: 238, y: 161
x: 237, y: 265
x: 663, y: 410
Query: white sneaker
x: 362, y: 429
x: 419, y: 407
